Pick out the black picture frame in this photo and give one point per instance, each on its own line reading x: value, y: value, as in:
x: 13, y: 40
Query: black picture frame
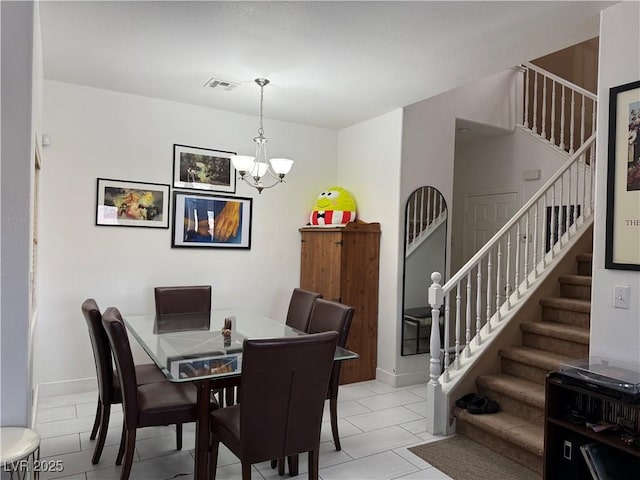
x: 126, y: 203
x: 622, y: 249
x: 197, y: 168
x: 197, y: 217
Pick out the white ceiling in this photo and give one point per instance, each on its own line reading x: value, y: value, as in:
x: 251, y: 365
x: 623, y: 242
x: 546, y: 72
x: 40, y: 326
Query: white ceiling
x: 331, y: 64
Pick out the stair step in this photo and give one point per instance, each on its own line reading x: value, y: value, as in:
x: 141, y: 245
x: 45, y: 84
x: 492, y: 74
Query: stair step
x: 514, y: 395
x: 568, y: 311
x: 511, y: 436
x: 530, y: 364
x: 585, y: 263
x: 554, y: 337
x: 575, y: 286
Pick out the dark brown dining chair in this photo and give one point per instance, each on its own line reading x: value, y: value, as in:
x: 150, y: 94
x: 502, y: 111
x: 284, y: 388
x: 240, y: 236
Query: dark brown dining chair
x: 332, y: 316
x: 327, y: 316
x: 300, y: 306
x: 108, y: 384
x: 150, y: 405
x: 284, y: 386
x: 182, y: 299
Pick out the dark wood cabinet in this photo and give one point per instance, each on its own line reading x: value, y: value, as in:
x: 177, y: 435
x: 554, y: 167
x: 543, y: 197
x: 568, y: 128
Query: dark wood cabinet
x: 342, y: 263
x: 569, y: 406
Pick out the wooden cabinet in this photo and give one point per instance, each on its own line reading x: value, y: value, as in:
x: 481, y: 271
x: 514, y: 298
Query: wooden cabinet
x: 569, y: 405
x: 341, y: 263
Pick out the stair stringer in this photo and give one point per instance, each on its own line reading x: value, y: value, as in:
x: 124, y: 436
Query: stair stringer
x: 484, y: 359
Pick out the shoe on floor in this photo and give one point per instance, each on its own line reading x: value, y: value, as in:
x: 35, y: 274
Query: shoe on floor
x: 468, y: 399
x: 483, y: 406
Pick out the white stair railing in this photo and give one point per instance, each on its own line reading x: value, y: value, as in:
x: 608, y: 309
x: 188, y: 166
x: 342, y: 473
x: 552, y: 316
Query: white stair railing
x: 557, y: 110
x: 426, y: 210
x: 475, y: 299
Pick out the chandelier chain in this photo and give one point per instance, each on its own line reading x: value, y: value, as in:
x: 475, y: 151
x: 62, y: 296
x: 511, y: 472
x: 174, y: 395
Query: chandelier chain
x: 260, y: 128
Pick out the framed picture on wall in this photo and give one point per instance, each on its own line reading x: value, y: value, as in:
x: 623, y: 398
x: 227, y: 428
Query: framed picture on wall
x: 124, y: 203
x: 196, y: 168
x: 211, y: 221
x: 622, y: 250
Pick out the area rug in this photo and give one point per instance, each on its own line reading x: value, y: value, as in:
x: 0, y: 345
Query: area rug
x: 464, y: 459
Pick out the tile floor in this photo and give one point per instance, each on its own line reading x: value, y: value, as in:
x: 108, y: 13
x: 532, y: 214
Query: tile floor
x: 377, y: 423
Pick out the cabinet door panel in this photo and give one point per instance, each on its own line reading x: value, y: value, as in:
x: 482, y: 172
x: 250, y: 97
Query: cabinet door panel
x: 320, y: 264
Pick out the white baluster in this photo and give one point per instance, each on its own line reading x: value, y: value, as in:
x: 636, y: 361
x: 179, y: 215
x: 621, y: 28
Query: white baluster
x: 582, y: 119
x: 545, y: 233
x: 562, y: 116
x: 543, y: 131
x: 526, y: 252
x: 446, y: 339
x: 535, y: 102
x: 478, y: 303
x: 555, y: 223
x: 467, y: 349
x: 498, y: 285
x: 535, y: 241
x: 553, y: 112
x: 516, y: 283
x: 527, y: 82
x: 458, y: 322
x: 489, y: 292
x: 507, y: 286
x: 573, y: 121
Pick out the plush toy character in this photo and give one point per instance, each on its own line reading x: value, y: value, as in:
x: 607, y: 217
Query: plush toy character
x: 334, y: 206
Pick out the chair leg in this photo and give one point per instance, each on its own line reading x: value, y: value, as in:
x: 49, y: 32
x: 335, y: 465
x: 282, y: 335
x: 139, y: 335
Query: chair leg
x: 130, y: 441
x: 281, y: 466
x: 123, y: 441
x: 293, y: 461
x: 104, y: 426
x: 274, y: 463
x: 333, y: 407
x: 213, y: 459
x: 178, y: 436
x: 96, y: 422
x: 313, y: 463
x: 246, y: 471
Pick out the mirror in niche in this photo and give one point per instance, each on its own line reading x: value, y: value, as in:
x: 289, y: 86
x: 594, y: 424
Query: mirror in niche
x: 425, y: 248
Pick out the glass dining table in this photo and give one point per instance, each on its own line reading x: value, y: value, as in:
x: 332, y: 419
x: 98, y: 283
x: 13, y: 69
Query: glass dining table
x: 206, y: 349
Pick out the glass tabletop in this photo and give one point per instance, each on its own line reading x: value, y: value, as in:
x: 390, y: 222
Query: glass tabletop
x: 192, y: 346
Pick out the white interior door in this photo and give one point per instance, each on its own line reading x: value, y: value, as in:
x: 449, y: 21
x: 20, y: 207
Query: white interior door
x: 485, y: 214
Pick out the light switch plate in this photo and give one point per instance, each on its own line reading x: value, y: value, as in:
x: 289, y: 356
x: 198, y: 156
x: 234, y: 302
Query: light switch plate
x: 621, y: 294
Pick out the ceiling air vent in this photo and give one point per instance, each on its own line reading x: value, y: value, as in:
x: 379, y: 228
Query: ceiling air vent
x: 221, y: 84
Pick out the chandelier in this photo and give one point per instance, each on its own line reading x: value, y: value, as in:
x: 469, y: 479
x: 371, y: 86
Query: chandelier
x: 260, y: 172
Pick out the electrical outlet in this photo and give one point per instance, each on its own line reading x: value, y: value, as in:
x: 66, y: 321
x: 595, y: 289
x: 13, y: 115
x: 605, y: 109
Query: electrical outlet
x: 621, y: 296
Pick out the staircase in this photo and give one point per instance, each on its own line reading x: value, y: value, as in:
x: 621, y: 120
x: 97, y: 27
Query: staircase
x: 562, y: 334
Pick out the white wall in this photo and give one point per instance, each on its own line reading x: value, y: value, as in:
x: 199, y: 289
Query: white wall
x: 615, y: 333
x: 369, y: 167
x: 428, y: 152
x: 97, y: 133
x: 16, y: 172
x: 498, y: 163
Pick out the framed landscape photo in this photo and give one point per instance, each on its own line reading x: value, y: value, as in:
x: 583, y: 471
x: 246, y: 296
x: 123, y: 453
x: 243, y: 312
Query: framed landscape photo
x: 211, y: 221
x: 198, y: 168
x: 125, y: 203
x: 622, y: 250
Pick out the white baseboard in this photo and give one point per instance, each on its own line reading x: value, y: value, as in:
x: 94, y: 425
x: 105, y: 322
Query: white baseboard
x: 79, y: 385
x: 402, y: 380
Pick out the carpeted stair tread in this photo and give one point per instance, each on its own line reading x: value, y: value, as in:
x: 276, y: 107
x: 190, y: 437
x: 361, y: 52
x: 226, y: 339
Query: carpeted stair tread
x: 558, y: 330
x: 572, y: 304
x: 503, y: 425
x: 582, y: 280
x: 514, y: 387
x: 584, y: 257
x: 532, y: 356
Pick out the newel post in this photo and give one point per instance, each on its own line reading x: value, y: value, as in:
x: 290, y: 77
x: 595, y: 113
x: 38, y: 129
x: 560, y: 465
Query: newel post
x: 434, y: 388
x: 436, y: 297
